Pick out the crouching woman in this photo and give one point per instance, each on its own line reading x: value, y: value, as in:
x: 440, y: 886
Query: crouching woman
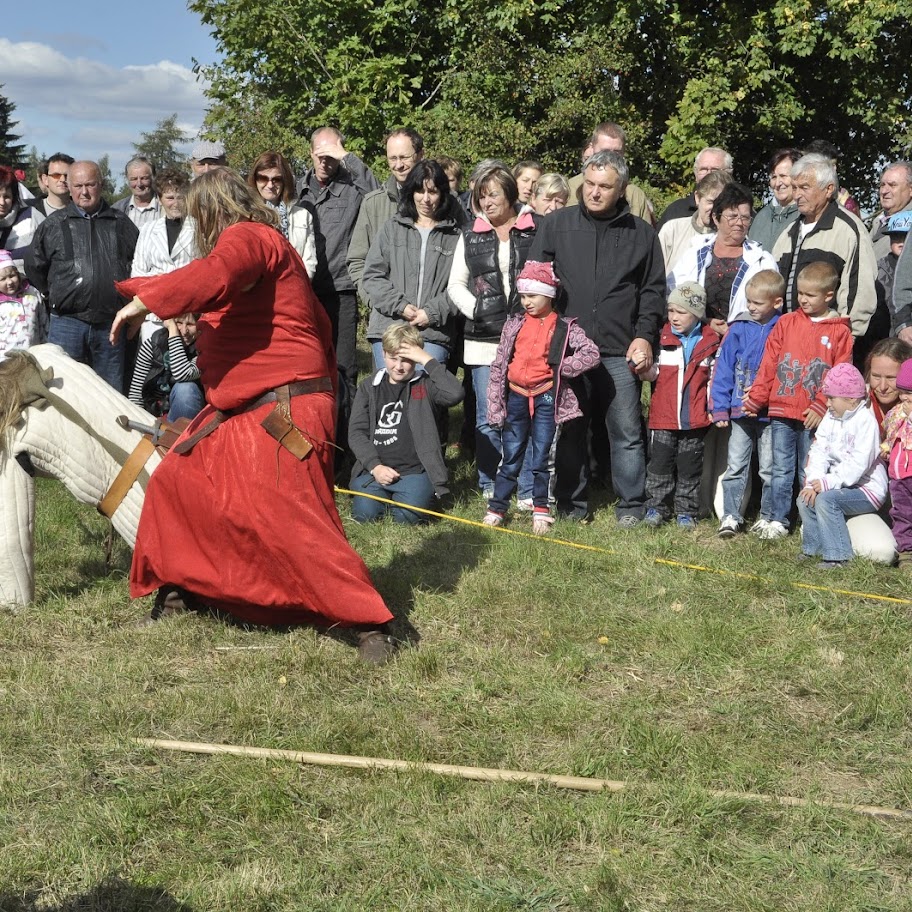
x: 393, y: 430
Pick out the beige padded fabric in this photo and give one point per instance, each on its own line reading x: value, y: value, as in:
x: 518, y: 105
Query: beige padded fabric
x: 82, y: 446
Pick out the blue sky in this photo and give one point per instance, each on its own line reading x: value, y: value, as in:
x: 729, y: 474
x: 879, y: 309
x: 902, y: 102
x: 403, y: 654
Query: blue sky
x: 88, y: 78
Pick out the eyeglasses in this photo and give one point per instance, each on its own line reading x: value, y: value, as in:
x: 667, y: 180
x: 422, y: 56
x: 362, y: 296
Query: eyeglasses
x: 57, y: 175
x: 400, y: 159
x: 735, y: 219
x: 262, y: 179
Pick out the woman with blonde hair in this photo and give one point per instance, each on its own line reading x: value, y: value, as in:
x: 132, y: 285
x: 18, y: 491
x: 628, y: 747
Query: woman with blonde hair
x: 240, y: 514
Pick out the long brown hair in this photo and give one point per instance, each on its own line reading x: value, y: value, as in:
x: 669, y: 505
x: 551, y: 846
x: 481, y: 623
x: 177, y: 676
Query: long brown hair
x: 273, y: 160
x: 220, y: 198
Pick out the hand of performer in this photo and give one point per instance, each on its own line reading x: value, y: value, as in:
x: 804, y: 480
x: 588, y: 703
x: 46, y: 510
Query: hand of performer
x: 171, y: 326
x: 130, y: 315
x: 420, y: 320
x: 639, y: 356
x: 384, y: 475
x: 811, y: 419
x: 412, y: 352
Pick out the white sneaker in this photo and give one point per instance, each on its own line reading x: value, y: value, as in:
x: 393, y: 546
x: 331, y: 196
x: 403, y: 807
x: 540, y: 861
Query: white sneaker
x: 729, y: 527
x: 774, y: 529
x: 525, y: 505
x: 758, y: 527
x: 492, y: 519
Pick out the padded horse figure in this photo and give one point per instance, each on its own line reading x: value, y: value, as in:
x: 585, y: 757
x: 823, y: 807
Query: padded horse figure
x: 62, y: 416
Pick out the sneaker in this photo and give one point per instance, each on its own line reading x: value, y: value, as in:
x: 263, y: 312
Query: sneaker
x: 541, y: 523
x: 759, y: 527
x: 831, y: 565
x: 653, y: 519
x: 525, y: 505
x: 773, y: 529
x: 576, y: 514
x: 729, y: 527
x: 492, y: 519
x: 687, y: 522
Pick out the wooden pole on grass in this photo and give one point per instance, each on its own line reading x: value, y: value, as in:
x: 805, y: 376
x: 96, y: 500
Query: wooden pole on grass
x: 482, y: 774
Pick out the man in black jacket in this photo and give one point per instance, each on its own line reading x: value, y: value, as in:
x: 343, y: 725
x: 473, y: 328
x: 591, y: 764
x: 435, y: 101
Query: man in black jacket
x: 77, y: 255
x: 613, y: 278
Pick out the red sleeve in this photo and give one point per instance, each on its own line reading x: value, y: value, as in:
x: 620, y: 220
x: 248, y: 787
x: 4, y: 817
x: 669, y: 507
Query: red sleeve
x: 241, y: 256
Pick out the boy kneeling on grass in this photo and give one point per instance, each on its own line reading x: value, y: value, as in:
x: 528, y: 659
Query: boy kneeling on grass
x: 845, y: 475
x: 393, y: 430
x: 679, y: 411
x: 527, y: 391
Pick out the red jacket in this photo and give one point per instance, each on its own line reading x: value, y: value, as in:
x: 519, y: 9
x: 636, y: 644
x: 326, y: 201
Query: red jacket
x: 798, y: 354
x: 679, y: 399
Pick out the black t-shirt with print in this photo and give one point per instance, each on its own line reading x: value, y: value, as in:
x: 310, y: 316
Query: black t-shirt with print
x: 392, y: 435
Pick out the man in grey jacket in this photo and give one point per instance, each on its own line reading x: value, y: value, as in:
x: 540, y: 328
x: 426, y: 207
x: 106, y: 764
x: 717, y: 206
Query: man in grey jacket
x: 335, y: 187
x: 404, y: 148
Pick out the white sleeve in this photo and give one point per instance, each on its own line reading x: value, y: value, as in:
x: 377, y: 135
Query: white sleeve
x: 458, y: 287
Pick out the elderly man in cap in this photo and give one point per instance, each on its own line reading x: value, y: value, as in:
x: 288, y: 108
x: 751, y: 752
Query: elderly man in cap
x: 207, y: 155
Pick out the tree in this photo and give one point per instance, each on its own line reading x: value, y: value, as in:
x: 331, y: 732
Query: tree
x: 107, y: 179
x: 158, y: 145
x: 11, y: 152
x: 527, y: 78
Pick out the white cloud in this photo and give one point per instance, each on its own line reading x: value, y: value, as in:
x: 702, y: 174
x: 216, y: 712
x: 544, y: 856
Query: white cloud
x: 38, y: 77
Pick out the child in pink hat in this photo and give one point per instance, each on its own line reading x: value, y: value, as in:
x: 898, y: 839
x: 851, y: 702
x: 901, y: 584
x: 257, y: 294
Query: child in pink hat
x: 845, y: 475
x: 24, y: 319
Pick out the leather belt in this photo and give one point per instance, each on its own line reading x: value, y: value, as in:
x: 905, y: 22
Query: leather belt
x: 280, y: 393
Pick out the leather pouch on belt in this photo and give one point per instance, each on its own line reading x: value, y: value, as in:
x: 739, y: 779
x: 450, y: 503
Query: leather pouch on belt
x: 278, y: 424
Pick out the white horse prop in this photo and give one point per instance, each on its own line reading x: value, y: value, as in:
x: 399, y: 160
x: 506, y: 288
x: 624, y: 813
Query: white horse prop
x: 63, y: 417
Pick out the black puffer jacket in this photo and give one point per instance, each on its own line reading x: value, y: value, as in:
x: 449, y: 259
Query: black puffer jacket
x: 75, y: 261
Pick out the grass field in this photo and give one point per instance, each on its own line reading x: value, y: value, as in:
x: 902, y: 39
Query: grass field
x: 524, y: 655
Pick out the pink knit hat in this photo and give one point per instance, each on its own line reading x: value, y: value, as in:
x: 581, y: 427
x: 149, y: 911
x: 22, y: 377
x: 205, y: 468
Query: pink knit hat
x: 904, y: 378
x: 6, y: 259
x: 844, y: 380
x: 538, y: 278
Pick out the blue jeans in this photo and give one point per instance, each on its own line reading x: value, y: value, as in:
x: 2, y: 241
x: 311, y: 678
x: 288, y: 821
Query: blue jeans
x: 746, y: 434
x: 521, y: 429
x: 791, y: 441
x: 618, y: 389
x: 437, y: 352
x: 88, y: 343
x: 823, y: 526
x: 186, y: 400
x: 488, y: 445
x: 416, y: 490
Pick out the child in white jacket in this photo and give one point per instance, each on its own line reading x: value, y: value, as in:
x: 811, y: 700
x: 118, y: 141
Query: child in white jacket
x: 845, y: 476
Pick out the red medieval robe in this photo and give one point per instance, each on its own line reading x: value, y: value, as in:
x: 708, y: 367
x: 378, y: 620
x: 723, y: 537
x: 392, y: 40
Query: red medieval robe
x: 238, y: 520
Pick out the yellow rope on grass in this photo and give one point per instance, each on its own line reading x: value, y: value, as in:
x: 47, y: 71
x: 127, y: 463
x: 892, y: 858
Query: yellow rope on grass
x: 678, y: 565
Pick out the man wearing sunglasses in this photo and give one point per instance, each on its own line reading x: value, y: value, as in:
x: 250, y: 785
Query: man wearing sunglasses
x: 52, y: 179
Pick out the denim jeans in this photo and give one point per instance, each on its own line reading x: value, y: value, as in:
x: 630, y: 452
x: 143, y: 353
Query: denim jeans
x: 618, y: 388
x: 88, y: 343
x: 520, y: 429
x: 416, y: 490
x: 823, y: 526
x: 186, y: 400
x: 791, y: 441
x: 488, y: 445
x: 746, y: 434
x: 437, y: 352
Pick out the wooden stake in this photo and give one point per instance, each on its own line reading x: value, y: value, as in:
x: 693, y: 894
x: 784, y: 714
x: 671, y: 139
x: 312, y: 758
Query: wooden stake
x: 481, y: 774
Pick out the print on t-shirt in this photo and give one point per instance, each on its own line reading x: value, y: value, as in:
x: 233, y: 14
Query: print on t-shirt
x: 388, y: 421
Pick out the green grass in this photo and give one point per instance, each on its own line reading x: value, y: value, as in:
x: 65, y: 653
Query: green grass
x: 526, y: 655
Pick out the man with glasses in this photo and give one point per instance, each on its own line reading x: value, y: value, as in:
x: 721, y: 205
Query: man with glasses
x: 52, y: 179
x: 404, y: 148
x: 77, y: 255
x: 335, y: 187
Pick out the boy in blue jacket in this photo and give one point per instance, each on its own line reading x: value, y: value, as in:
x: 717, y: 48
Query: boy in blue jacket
x: 736, y: 367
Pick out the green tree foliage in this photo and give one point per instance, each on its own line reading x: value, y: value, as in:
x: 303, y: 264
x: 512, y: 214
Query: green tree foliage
x: 11, y: 152
x: 158, y: 145
x: 525, y: 78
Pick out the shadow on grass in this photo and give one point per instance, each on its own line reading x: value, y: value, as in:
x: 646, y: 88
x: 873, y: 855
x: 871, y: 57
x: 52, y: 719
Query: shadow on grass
x: 113, y: 895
